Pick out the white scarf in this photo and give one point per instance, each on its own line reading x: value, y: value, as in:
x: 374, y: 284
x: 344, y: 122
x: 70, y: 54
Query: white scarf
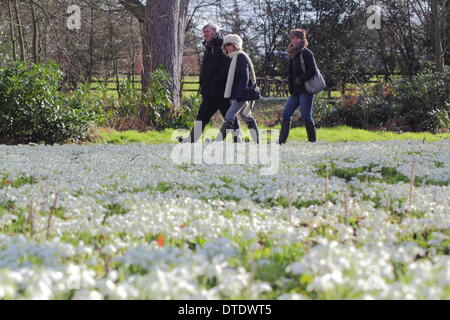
x: 234, y: 55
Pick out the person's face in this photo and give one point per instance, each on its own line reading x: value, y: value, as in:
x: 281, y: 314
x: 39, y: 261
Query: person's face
x: 229, y: 48
x: 296, y: 41
x: 208, y: 34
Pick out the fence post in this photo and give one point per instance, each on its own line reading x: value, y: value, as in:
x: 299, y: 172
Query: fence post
x: 266, y: 92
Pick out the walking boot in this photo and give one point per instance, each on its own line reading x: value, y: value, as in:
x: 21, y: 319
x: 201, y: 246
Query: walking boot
x: 311, y: 131
x: 284, y: 132
x: 237, y: 137
x: 227, y: 126
x: 254, y: 131
x: 196, y: 132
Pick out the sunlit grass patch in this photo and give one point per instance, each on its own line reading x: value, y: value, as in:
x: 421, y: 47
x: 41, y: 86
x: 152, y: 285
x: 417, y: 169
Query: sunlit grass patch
x: 17, y: 183
x: 337, y: 134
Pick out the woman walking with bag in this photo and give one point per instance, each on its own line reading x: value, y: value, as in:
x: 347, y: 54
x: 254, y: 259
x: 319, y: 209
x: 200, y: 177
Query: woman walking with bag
x: 240, y: 88
x: 302, y: 67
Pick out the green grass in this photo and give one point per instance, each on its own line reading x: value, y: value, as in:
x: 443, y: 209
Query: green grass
x: 19, y: 182
x: 389, y: 175
x: 104, y: 135
x: 346, y: 134
x: 337, y: 134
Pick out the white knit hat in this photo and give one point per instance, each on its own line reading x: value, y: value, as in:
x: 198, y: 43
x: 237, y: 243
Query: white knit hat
x: 233, y: 39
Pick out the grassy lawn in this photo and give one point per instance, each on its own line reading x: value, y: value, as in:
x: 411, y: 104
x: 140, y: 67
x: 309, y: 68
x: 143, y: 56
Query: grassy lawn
x: 338, y: 134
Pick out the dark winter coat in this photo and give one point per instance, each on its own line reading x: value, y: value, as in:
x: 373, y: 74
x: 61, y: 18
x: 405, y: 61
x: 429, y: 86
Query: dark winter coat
x: 242, y: 78
x: 214, y: 70
x: 297, y: 77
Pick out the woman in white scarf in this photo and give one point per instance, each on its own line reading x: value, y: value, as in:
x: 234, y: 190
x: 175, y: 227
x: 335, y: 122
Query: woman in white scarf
x: 240, y: 76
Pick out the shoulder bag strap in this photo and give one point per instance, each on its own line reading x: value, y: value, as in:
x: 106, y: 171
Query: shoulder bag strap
x: 302, y: 61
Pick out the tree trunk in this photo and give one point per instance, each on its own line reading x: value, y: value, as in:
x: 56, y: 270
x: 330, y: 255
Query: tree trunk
x: 163, y: 42
x: 438, y: 52
x: 91, y: 46
x: 20, y: 31
x: 43, y: 40
x: 11, y: 30
x: 34, y: 44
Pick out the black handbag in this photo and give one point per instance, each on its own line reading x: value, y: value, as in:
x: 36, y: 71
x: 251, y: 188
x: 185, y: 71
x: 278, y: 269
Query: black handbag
x: 252, y: 93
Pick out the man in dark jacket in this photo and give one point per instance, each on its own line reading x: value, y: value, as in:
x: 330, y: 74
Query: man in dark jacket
x: 213, y: 77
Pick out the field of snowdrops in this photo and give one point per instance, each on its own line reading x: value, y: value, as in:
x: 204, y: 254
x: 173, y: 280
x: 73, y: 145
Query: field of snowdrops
x: 339, y: 220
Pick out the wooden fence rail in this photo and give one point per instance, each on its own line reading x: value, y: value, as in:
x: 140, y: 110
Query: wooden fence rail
x: 270, y: 87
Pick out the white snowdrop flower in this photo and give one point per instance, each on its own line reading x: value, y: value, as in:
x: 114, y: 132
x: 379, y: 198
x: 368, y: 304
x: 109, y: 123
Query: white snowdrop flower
x: 113, y: 275
x: 255, y: 246
x: 7, y: 284
x: 292, y: 296
x: 7, y: 291
x: 215, y: 270
x: 263, y: 262
x: 109, y: 250
x: 84, y: 250
x: 374, y: 282
x: 277, y: 250
x: 297, y: 268
x: 39, y: 290
x: 260, y: 288
x: 85, y: 294
x: 100, y: 176
x: 119, y: 293
x: 326, y: 282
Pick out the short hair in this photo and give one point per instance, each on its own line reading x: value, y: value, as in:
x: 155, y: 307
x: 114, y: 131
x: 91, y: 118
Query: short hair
x: 299, y: 33
x: 214, y: 27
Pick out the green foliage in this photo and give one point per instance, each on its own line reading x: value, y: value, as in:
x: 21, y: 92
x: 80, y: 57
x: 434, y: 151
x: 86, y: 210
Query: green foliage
x: 17, y: 183
x: 417, y: 103
x: 423, y: 100
x: 157, y: 101
x: 163, y: 186
x: 322, y: 110
x: 160, y: 107
x: 151, y: 110
x: 189, y: 110
x: 128, y: 101
x: 363, y: 107
x: 115, y: 209
x: 34, y: 109
x: 389, y: 175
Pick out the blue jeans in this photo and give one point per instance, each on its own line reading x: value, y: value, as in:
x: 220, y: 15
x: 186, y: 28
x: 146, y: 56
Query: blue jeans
x: 302, y: 100
x: 241, y: 108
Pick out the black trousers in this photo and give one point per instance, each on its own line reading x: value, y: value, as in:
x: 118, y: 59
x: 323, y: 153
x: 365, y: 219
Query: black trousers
x: 208, y: 108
